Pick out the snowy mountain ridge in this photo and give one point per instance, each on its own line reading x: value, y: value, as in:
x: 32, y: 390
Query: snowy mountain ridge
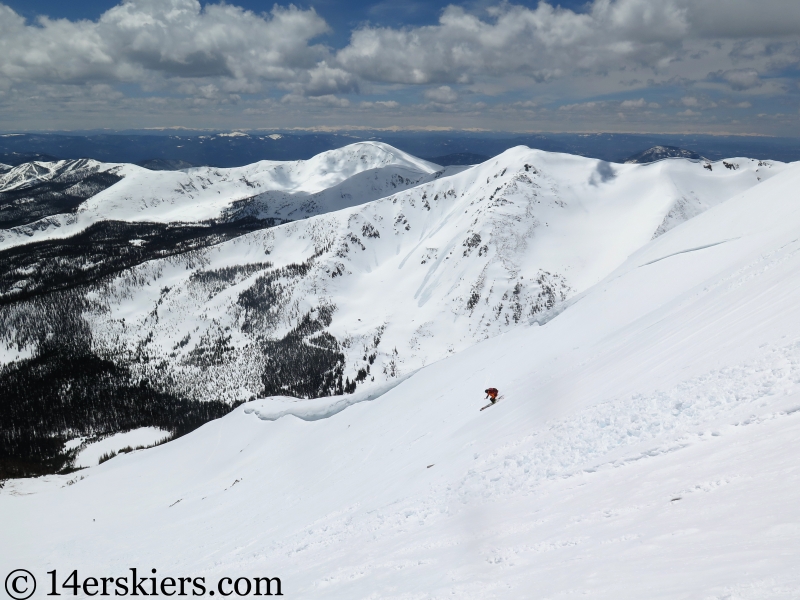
x: 401, y: 282
x: 141, y: 320
x: 32, y: 173
x: 36, y: 190
x: 265, y: 190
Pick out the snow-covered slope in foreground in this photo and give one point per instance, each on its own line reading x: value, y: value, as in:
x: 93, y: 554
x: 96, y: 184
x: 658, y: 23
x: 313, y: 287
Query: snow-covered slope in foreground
x: 646, y: 446
x: 284, y: 191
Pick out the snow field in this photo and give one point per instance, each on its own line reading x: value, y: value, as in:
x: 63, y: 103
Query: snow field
x: 646, y: 446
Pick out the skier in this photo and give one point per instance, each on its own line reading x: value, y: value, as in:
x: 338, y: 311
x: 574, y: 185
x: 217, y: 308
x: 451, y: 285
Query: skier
x: 491, y: 393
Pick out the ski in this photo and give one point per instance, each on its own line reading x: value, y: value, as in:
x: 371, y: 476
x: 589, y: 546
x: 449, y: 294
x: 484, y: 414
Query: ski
x: 492, y: 403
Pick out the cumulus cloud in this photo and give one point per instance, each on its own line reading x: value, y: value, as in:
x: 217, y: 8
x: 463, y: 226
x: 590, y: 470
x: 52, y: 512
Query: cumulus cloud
x: 324, y: 80
x: 331, y: 100
x: 390, y: 104
x: 739, y: 79
x: 443, y: 95
x: 640, y: 103
x: 546, y: 43
x: 543, y: 43
x: 220, y: 55
x: 155, y: 41
x: 322, y: 100
x: 150, y: 41
x: 582, y: 106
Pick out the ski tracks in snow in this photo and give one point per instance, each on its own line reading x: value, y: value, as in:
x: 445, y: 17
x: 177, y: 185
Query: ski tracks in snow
x: 616, y: 432
x: 610, y: 435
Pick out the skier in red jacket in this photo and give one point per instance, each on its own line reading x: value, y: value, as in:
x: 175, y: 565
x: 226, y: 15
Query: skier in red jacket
x: 492, y: 393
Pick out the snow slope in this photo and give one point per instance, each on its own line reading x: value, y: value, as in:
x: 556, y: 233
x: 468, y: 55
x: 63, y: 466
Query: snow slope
x: 30, y: 174
x: 646, y: 446
x: 284, y: 191
x: 412, y: 277
x: 91, y: 451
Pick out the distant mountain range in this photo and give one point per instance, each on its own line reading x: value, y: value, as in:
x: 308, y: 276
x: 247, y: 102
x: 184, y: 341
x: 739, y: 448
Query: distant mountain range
x: 225, y: 149
x: 661, y: 152
x: 165, y: 164
x: 459, y: 158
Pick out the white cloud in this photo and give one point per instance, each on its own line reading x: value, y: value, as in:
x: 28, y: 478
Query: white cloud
x: 640, y: 103
x: 740, y: 79
x: 582, y: 106
x: 390, y: 104
x: 331, y: 100
x: 323, y: 80
x: 155, y: 41
x: 322, y: 100
x: 443, y: 95
x: 547, y: 43
x: 186, y: 56
x: 543, y: 44
x: 526, y: 104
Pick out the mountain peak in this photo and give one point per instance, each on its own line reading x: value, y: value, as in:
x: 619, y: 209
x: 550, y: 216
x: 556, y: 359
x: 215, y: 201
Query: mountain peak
x: 660, y: 153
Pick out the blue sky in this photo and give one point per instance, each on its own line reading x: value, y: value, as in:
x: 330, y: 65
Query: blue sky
x: 342, y: 16
x: 717, y: 66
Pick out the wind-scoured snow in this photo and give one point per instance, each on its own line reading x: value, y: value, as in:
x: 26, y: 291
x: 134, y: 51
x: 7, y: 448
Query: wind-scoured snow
x: 413, y: 277
x: 646, y: 446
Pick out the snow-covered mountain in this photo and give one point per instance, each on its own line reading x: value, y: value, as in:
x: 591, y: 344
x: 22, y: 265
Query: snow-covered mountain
x: 29, y: 175
x: 396, y: 284
x: 660, y: 153
x: 645, y: 444
x: 35, y: 190
x: 144, y: 319
x: 284, y: 191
